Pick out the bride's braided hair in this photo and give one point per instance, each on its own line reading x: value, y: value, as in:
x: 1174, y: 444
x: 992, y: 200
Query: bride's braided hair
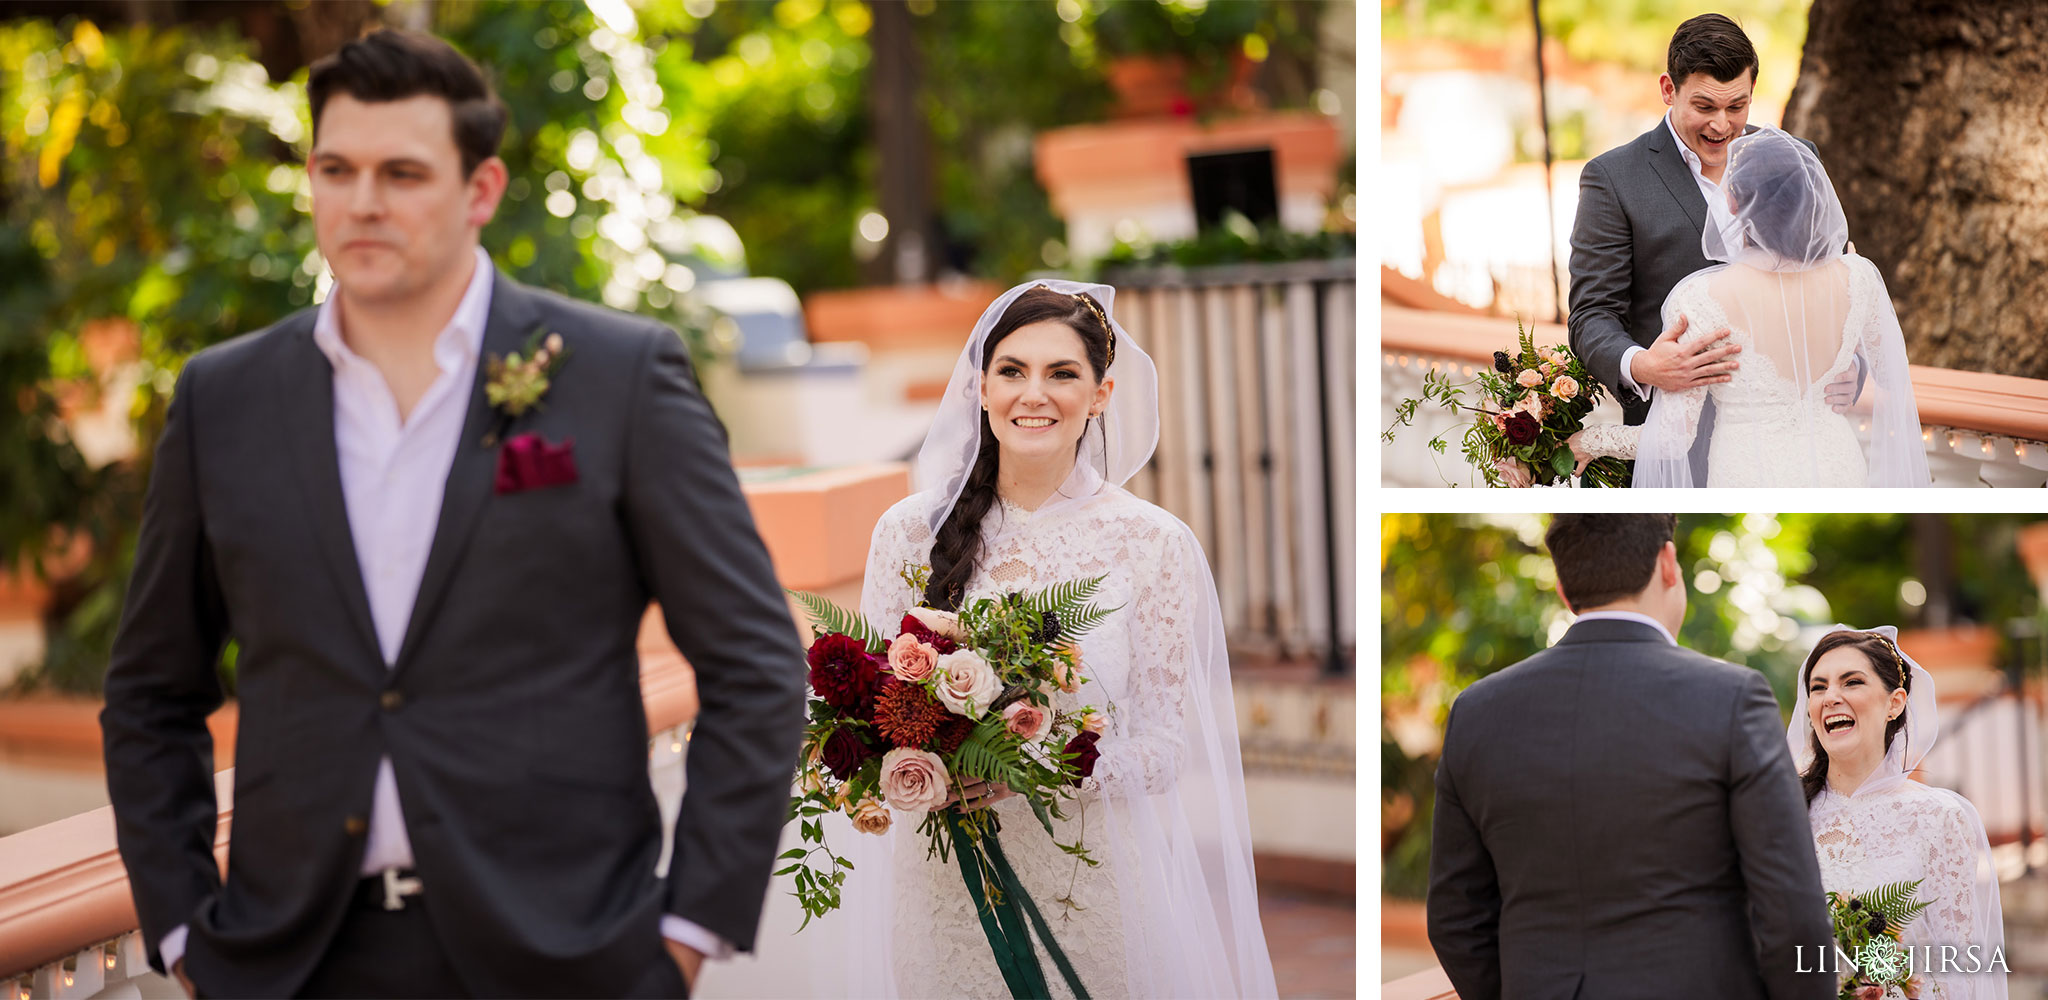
x: 1890, y: 667
x: 959, y: 540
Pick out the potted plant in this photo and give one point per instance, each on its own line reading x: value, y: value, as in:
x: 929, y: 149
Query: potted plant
x: 1168, y: 57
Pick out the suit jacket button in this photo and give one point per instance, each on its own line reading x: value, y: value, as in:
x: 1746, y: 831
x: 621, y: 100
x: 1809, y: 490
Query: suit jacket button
x: 356, y: 826
x: 391, y: 700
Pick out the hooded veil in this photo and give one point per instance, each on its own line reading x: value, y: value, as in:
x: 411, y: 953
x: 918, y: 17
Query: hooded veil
x: 1892, y: 828
x: 1806, y: 314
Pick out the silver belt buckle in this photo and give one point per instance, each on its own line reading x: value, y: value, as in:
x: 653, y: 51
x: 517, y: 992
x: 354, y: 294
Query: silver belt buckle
x: 397, y: 887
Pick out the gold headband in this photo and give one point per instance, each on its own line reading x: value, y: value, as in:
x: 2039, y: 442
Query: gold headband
x: 1108, y: 332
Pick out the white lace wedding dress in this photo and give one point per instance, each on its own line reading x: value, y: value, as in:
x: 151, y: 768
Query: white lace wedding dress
x: 1772, y: 424
x: 1901, y: 831
x: 1120, y: 924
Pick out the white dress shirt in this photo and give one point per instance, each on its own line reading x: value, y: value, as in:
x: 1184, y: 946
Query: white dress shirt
x: 1718, y: 217
x: 393, y: 473
x: 1627, y: 616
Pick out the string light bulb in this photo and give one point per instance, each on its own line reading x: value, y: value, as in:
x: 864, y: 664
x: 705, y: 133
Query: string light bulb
x: 1955, y: 441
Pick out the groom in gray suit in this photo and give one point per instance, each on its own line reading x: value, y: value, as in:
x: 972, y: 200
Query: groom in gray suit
x: 1643, y: 208
x: 1618, y: 816
x: 434, y: 562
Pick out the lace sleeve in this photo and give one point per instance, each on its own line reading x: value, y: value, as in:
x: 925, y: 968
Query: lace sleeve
x: 1145, y: 746
x: 901, y: 538
x: 1663, y: 450
x: 1954, y: 882
x: 1610, y: 441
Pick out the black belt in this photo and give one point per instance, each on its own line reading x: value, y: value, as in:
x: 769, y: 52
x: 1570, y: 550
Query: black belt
x: 388, y: 889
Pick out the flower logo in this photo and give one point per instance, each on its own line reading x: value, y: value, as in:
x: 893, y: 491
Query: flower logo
x: 1881, y: 959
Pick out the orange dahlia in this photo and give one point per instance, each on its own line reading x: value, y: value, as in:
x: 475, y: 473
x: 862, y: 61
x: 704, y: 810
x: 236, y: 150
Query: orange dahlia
x: 908, y: 716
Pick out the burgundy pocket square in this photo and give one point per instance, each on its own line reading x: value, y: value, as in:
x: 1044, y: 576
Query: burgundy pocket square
x: 528, y: 462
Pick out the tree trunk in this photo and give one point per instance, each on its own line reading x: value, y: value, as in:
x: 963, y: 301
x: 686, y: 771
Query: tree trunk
x: 1930, y: 121
x: 903, y: 149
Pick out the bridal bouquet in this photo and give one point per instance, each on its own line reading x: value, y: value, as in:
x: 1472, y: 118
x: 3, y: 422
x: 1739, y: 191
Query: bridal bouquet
x: 1866, y: 929
x: 900, y: 723
x: 1533, y: 401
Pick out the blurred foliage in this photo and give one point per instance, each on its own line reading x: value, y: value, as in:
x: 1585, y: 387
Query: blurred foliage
x: 1236, y: 241
x: 1635, y: 34
x: 155, y: 175
x: 1465, y: 595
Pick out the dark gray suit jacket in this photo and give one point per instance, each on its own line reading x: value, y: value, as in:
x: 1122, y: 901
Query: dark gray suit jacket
x: 513, y: 717
x: 1637, y: 234
x: 1618, y: 817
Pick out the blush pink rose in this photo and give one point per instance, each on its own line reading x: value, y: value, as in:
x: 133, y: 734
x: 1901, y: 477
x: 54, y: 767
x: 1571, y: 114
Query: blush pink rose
x: 913, y: 780
x: 1529, y: 379
x: 1026, y: 720
x: 911, y: 660
x: 967, y: 684
x: 1566, y: 387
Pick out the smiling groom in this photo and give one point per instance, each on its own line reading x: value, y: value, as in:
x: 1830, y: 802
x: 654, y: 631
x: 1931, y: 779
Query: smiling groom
x: 435, y: 564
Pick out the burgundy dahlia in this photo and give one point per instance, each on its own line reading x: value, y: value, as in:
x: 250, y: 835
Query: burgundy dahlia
x: 1522, y: 428
x: 842, y: 671
x: 911, y: 626
x: 1082, y: 750
x: 952, y: 732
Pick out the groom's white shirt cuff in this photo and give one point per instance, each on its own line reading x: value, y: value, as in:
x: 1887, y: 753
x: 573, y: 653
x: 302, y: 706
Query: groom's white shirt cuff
x: 1627, y: 381
x: 674, y: 928
x: 1628, y: 616
x: 173, y: 946
x: 689, y: 935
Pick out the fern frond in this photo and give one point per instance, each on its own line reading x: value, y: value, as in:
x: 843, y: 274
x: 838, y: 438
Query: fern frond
x: 1063, y: 598
x: 827, y: 617
x: 1085, y: 621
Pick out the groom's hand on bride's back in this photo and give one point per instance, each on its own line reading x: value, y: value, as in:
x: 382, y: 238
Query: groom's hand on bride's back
x: 1675, y: 367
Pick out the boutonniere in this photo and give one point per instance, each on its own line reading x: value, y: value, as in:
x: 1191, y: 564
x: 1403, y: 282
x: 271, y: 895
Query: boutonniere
x: 515, y: 383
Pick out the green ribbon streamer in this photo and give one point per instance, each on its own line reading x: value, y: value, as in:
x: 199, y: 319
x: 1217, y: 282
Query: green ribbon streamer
x: 1015, y: 890
x: 1006, y: 935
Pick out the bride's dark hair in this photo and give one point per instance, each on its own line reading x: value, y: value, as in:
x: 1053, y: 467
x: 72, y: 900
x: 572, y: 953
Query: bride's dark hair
x: 959, y: 539
x: 1891, y: 669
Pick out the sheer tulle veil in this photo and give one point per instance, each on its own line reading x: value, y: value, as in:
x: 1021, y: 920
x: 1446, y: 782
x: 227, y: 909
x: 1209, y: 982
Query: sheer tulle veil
x: 1179, y: 847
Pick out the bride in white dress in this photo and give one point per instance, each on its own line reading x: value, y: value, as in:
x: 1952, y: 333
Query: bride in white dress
x: 1805, y: 314
x: 1050, y: 409
x: 1864, y: 720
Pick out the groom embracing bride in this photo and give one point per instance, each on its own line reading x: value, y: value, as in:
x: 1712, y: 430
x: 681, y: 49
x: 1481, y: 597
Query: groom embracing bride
x: 433, y: 558
x: 1618, y: 816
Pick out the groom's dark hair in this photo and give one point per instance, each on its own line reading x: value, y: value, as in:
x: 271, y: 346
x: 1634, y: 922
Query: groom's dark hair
x: 392, y: 65
x: 1711, y: 44
x: 1603, y: 558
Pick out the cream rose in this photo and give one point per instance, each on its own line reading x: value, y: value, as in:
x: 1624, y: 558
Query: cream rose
x: 1566, y: 387
x: 1529, y: 379
x: 1094, y: 723
x: 945, y: 623
x: 870, y: 817
x: 966, y: 683
x: 1026, y: 720
x: 911, y: 660
x: 913, y: 780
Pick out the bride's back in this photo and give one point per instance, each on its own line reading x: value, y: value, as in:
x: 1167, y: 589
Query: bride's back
x: 1792, y: 325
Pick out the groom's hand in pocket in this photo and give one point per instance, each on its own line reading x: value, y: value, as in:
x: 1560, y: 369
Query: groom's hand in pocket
x: 688, y: 960
x: 1675, y: 367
